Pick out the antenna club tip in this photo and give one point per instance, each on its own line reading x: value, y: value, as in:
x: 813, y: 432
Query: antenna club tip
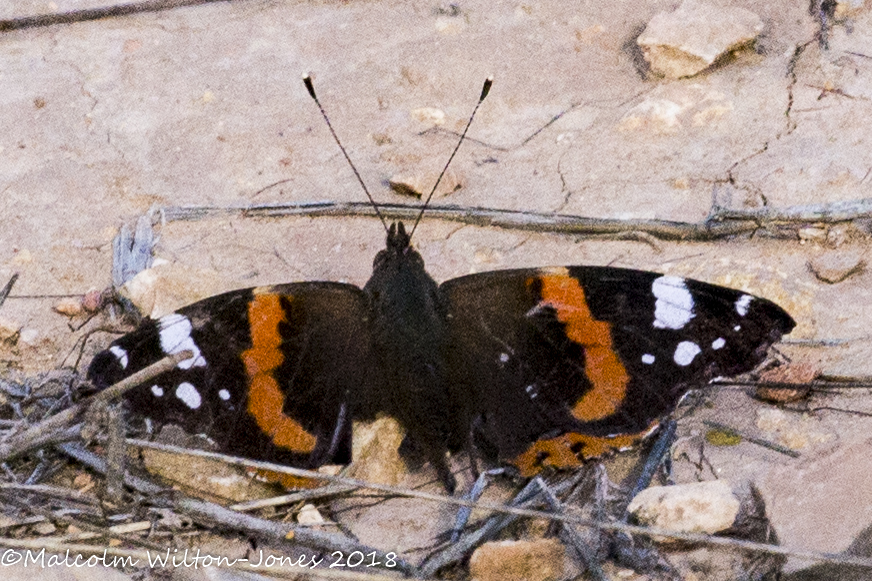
x: 307, y: 80
x: 486, y: 88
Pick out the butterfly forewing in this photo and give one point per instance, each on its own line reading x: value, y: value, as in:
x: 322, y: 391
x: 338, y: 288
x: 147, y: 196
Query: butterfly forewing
x: 598, y: 352
x: 265, y: 380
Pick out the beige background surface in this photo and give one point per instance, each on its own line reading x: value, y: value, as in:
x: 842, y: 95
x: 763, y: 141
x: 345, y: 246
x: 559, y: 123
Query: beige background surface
x: 203, y: 105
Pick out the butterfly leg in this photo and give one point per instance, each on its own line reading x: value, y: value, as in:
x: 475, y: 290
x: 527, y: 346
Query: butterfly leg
x: 440, y: 463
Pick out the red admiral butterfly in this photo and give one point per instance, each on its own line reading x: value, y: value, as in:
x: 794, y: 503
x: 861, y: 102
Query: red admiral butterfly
x: 531, y: 367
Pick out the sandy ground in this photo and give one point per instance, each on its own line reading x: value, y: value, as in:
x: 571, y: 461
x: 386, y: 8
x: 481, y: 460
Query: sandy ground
x: 204, y: 105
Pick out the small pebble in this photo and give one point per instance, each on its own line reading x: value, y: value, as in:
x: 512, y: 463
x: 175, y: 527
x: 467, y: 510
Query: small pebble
x: 69, y: 307
x: 812, y: 234
x: 9, y: 329
x: 698, y: 507
x: 92, y: 301
x: 420, y: 184
x: 836, y: 266
x: 539, y: 560
x: 429, y: 116
x: 309, y: 515
x: 28, y: 336
x: 44, y: 528
x: 690, y: 39
x: 798, y: 373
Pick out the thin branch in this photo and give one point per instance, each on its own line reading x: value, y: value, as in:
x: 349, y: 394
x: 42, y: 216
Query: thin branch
x: 721, y: 224
x: 302, y: 495
x: 87, y: 14
x: 587, y: 554
x: 202, y: 510
x: 839, y: 211
x: 518, y: 220
x: 759, y: 441
x: 53, y: 491
x: 4, y: 293
x: 501, y: 508
x: 43, y: 432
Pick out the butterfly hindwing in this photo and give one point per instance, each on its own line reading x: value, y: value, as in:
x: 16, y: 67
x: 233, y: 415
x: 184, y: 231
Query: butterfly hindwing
x: 264, y: 380
x: 570, y: 362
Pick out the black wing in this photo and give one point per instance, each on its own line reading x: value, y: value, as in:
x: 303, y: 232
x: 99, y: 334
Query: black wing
x: 566, y: 363
x: 270, y: 375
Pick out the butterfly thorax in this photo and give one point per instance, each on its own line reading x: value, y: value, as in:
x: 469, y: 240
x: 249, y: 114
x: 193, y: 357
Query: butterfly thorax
x: 409, y: 334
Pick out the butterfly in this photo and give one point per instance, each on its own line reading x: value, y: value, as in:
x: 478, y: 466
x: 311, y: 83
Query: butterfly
x: 533, y: 368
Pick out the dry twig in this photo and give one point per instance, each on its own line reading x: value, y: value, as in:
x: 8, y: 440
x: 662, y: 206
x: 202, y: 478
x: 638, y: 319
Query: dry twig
x: 721, y: 224
x: 87, y: 14
x: 43, y: 432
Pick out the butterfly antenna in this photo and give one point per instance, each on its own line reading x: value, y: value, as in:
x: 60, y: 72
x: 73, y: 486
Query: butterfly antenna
x: 307, y: 80
x: 484, y: 91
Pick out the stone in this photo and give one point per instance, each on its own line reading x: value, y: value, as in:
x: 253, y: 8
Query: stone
x: 44, y: 528
x: 699, y: 507
x: 29, y: 336
x: 539, y: 560
x: 9, y: 329
x: 430, y: 116
x: 69, y: 307
x: 690, y: 39
x: 801, y: 374
x: 836, y: 266
x: 205, y: 477
x: 164, y: 288
x: 309, y: 515
x: 92, y: 301
x: 375, y: 452
x: 420, y: 184
x: 812, y: 234
x: 716, y: 502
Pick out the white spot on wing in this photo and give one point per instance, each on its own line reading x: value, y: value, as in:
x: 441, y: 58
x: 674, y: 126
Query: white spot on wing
x: 686, y: 352
x: 120, y: 354
x: 504, y: 357
x: 224, y: 394
x: 189, y: 395
x: 674, y: 306
x: 175, y: 336
x: 737, y: 328
x: 157, y: 390
x: 647, y: 359
x: 718, y: 343
x: 742, y: 304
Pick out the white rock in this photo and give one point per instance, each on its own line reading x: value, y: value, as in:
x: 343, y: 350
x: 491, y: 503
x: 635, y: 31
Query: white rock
x: 29, y: 336
x: 309, y: 515
x: 699, y: 507
x: 429, y: 116
x: 684, y: 42
x: 163, y: 288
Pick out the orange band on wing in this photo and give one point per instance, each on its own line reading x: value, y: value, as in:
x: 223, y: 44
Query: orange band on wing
x: 603, y: 367
x: 570, y: 450
x: 287, y: 481
x: 265, y: 397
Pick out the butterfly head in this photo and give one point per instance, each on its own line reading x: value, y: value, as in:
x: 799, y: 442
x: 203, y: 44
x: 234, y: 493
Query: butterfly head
x: 399, y: 269
x: 398, y: 249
